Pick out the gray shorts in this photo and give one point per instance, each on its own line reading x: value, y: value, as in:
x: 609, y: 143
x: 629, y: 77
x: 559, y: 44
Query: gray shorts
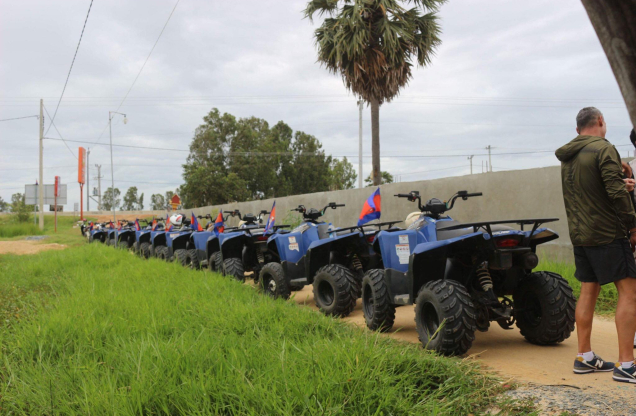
x: 604, y: 264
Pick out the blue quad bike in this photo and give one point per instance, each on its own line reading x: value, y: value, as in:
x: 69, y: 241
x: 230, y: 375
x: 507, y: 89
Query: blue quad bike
x: 461, y: 277
x: 244, y: 249
x: 126, y: 236
x: 315, y: 253
x: 204, y: 247
x: 157, y: 239
x: 99, y: 235
x: 141, y: 245
x: 176, y: 248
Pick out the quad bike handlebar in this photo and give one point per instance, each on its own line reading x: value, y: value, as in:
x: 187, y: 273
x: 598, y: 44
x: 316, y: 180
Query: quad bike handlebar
x: 313, y: 214
x: 434, y: 206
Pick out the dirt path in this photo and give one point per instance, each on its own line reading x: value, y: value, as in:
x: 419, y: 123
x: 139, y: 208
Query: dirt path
x: 27, y: 247
x: 508, y: 353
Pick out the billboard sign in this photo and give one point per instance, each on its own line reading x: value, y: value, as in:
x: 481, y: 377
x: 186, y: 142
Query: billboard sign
x: 31, y: 194
x: 81, y: 167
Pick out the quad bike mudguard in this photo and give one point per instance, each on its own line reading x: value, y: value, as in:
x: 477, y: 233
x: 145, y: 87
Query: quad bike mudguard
x: 176, y: 240
x: 143, y: 236
x: 319, y: 253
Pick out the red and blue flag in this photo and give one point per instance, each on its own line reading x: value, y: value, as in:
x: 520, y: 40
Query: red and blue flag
x: 168, y: 225
x: 111, y: 225
x: 154, y: 224
x: 137, y: 226
x: 271, y: 220
x: 371, y: 210
x: 195, y: 224
x: 219, y: 226
x: 118, y: 226
x: 91, y: 226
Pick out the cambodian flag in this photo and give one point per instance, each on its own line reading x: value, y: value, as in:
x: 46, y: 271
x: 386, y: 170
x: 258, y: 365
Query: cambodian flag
x: 271, y: 220
x: 371, y: 209
x: 118, y: 226
x: 168, y: 225
x: 137, y: 226
x: 111, y: 225
x: 154, y: 224
x: 195, y: 224
x: 91, y: 226
x: 219, y: 226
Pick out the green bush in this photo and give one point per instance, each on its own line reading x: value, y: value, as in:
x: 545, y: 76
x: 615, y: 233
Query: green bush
x: 9, y: 230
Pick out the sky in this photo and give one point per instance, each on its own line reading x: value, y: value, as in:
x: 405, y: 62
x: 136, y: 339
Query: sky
x: 508, y: 74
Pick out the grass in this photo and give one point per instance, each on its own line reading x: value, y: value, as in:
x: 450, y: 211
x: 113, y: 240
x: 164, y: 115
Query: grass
x: 16, y: 229
x: 606, y: 304
x: 98, y: 331
x: 10, y: 229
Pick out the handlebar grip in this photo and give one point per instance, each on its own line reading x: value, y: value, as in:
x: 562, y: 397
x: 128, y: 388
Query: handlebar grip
x: 475, y: 194
x: 339, y: 205
x: 403, y: 195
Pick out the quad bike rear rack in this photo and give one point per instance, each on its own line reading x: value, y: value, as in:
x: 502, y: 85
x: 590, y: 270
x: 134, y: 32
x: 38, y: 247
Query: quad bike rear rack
x: 486, y: 225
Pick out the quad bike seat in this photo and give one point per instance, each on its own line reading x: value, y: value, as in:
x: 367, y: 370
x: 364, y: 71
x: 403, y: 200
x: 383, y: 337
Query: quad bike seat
x: 323, y: 231
x: 447, y: 235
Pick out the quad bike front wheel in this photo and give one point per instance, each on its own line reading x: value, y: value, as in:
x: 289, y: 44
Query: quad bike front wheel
x: 181, y: 256
x: 234, y: 267
x: 335, y: 290
x: 544, y: 308
x: 162, y: 252
x: 445, y: 317
x: 273, y: 281
x: 213, y: 262
x: 144, y: 250
x: 192, y: 260
x: 379, y: 311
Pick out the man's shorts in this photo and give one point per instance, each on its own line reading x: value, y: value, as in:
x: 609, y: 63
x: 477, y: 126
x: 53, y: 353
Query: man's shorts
x: 604, y: 264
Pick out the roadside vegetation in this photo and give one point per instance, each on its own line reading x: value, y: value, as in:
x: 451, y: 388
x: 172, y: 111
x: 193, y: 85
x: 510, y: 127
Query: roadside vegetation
x: 93, y: 330
x: 12, y: 229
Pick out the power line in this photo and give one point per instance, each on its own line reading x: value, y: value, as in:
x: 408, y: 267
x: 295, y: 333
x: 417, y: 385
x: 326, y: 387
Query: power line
x: 58, y: 132
x: 71, y: 68
x: 143, y: 66
x: 18, y: 118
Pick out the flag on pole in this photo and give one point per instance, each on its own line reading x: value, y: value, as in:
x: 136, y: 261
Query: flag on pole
x: 271, y: 220
x: 137, y: 226
x: 111, y: 225
x: 219, y: 226
x: 91, y: 226
x: 118, y: 225
x: 154, y: 224
x: 371, y: 209
x: 168, y: 225
x: 195, y: 224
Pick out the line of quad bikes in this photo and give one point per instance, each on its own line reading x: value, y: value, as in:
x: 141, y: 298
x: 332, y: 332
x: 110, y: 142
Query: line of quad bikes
x: 460, y: 277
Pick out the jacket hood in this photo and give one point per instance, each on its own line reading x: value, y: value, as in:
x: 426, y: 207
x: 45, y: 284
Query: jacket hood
x: 571, y: 149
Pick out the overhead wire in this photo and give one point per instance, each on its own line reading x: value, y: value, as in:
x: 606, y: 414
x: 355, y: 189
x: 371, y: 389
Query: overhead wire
x: 18, y: 118
x: 58, y: 132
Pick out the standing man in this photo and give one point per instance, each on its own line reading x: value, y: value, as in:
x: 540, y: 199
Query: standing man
x: 602, y: 225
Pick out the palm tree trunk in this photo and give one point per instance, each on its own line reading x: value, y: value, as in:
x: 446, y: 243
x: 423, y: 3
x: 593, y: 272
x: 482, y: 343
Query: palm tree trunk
x: 375, y: 142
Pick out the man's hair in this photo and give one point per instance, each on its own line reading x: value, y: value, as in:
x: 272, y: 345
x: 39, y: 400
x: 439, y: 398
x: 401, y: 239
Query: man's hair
x: 587, y: 116
x: 632, y: 137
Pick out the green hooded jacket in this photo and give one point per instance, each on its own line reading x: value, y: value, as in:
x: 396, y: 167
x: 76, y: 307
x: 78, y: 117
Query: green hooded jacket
x: 597, y: 203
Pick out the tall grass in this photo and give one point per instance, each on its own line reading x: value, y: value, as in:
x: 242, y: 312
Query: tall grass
x: 10, y: 230
x: 119, y: 335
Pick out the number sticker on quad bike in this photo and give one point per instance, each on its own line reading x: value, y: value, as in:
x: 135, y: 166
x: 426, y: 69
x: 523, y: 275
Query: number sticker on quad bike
x: 294, y: 246
x: 404, y: 239
x: 174, y: 235
x: 403, y: 252
x: 292, y: 239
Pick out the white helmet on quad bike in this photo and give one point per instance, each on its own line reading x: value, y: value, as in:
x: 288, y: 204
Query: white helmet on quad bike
x: 176, y: 220
x: 411, y: 218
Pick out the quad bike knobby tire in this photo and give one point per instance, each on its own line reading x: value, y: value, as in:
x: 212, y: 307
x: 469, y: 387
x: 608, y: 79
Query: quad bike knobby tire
x: 335, y: 290
x: 445, y: 317
x: 144, y: 250
x: 135, y: 247
x: 234, y: 267
x: 213, y: 263
x: 273, y: 281
x: 544, y: 308
x: 379, y: 311
x: 162, y: 252
x: 181, y: 256
x: 192, y: 260
x: 90, y: 239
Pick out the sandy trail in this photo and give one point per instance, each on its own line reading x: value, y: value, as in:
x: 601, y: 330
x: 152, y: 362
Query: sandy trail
x: 27, y: 247
x: 508, y: 353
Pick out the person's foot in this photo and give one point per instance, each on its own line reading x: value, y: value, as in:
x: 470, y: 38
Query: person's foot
x: 595, y: 364
x: 624, y: 375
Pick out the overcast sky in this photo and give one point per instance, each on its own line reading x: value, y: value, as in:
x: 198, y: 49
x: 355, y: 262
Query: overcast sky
x: 509, y: 74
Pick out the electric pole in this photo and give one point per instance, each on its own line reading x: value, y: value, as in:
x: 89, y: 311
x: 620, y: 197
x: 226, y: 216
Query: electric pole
x: 489, y: 148
x: 471, y: 163
x: 99, y: 187
x: 41, y: 186
x: 360, y: 106
x: 88, y: 176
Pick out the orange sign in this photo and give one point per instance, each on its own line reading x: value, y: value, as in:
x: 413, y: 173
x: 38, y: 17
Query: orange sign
x: 81, y: 167
x: 175, y: 201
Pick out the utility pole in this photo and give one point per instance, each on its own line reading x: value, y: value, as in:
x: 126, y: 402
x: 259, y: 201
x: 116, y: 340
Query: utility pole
x: 99, y: 187
x: 471, y: 163
x: 88, y: 177
x: 41, y: 185
x: 360, y: 106
x: 489, y: 148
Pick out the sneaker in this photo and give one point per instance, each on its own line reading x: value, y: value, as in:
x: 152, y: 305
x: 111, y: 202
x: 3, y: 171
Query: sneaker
x: 596, y: 364
x: 624, y: 375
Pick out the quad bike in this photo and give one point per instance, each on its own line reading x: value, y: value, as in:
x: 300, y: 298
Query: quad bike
x: 177, y: 239
x: 157, y: 240
x: 126, y: 236
x: 204, y: 247
x: 98, y: 233
x: 142, y: 236
x: 313, y: 253
x: 245, y: 249
x: 461, y: 277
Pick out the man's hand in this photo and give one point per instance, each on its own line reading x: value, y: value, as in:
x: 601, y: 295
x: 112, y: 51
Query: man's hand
x: 629, y: 184
x: 627, y: 170
x: 632, y: 238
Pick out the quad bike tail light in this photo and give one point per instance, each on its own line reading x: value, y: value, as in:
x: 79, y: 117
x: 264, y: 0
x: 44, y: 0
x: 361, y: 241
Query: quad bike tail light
x: 262, y: 238
x: 507, y: 243
x: 371, y: 238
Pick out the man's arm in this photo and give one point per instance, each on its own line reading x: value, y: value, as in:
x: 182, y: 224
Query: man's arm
x: 612, y: 174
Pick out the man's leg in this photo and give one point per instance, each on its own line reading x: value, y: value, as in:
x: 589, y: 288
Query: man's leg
x: 585, y: 314
x: 625, y: 318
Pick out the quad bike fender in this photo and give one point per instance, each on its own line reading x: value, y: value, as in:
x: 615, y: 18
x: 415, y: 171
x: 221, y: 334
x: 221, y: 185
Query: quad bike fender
x: 395, y: 248
x: 319, y: 252
x: 290, y: 246
x: 543, y: 235
x: 143, y: 237
x: 232, y: 245
x: 181, y: 241
x: 159, y: 239
x: 124, y: 235
x: 212, y: 245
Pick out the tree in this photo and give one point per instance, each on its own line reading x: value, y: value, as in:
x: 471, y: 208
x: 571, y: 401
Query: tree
x: 140, y: 202
x: 20, y: 208
x: 157, y: 202
x: 110, y: 199
x: 4, y: 206
x: 130, y: 199
x: 372, y: 44
x: 343, y: 175
x: 386, y: 178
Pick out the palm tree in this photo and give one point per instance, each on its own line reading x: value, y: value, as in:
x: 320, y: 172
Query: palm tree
x: 371, y: 44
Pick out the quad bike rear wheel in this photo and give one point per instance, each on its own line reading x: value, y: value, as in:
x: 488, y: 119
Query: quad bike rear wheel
x: 181, y: 256
x: 135, y: 247
x: 544, y: 308
x: 234, y: 267
x: 273, y: 281
x: 90, y: 238
x: 144, y: 250
x: 445, y: 317
x: 379, y: 311
x: 192, y: 260
x: 213, y: 262
x: 335, y: 290
x: 162, y: 252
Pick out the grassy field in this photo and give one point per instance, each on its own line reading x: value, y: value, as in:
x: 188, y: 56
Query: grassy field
x: 92, y: 330
x: 10, y: 229
x: 606, y: 304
